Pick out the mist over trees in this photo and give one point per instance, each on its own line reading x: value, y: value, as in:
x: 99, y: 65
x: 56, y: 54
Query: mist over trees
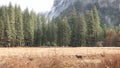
x: 27, y: 28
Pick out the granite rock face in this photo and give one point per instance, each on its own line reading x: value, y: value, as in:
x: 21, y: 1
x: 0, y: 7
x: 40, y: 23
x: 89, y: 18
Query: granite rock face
x: 61, y: 5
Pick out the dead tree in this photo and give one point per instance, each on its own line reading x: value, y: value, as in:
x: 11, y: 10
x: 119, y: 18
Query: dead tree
x: 118, y: 39
x: 109, y: 37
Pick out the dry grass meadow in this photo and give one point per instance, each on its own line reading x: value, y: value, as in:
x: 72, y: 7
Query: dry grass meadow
x: 79, y: 57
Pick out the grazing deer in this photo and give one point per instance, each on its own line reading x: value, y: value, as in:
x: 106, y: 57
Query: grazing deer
x: 79, y: 56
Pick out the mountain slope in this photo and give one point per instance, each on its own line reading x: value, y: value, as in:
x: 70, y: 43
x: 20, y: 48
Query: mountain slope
x: 108, y: 9
x: 59, y: 6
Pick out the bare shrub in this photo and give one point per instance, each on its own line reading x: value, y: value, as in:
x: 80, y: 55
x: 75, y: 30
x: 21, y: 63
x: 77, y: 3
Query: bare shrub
x: 99, y: 44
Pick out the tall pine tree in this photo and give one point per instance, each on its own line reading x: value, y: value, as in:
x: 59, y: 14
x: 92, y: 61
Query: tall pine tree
x: 91, y: 28
x: 2, y: 24
x: 38, y: 32
x: 97, y: 24
x: 73, y: 23
x: 11, y: 13
x: 64, y: 32
x: 31, y: 27
x: 44, y: 30
x: 26, y: 26
x: 19, y: 26
x: 53, y: 33
x: 82, y: 29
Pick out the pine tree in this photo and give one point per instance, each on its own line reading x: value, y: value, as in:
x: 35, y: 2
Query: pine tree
x: 104, y: 30
x: 118, y: 28
x: 73, y: 23
x: 82, y: 30
x: 49, y: 32
x: 31, y: 27
x: 44, y: 30
x: 58, y: 21
x: 91, y: 29
x: 1, y: 31
x: 26, y: 26
x: 2, y: 20
x: 53, y: 33
x: 11, y: 13
x: 7, y: 32
x: 64, y: 32
x: 97, y: 24
x: 19, y: 26
x: 38, y: 32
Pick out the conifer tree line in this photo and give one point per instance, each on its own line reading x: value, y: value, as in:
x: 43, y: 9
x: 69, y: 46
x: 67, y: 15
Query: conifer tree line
x: 26, y: 28
x: 17, y: 27
x: 81, y: 29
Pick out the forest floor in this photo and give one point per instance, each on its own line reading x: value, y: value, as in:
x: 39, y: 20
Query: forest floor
x: 60, y: 57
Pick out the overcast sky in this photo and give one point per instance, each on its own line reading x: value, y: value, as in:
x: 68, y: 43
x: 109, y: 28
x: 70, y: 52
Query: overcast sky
x: 36, y: 5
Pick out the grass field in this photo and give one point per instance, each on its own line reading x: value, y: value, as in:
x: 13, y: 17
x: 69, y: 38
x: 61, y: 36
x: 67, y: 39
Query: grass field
x: 79, y: 57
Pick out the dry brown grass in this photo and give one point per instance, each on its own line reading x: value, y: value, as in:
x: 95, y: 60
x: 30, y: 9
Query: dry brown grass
x: 92, y: 61
x: 30, y: 62
x: 96, y: 60
x: 111, y: 61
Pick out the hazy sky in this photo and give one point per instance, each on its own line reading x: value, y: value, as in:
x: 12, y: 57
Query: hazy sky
x: 36, y: 5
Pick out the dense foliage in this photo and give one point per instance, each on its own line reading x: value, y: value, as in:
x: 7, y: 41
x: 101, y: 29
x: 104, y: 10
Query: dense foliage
x: 26, y: 28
